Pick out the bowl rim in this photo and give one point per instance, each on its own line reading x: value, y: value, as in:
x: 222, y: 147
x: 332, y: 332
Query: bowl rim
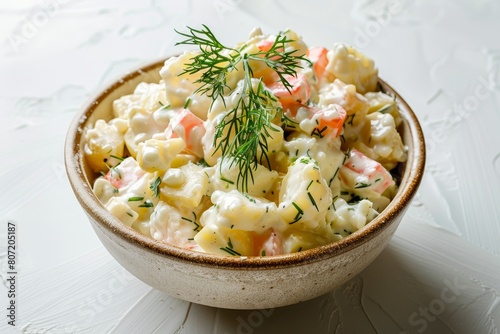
x: 73, y: 159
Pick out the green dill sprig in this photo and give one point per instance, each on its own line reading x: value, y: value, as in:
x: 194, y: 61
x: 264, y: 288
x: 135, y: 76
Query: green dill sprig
x: 311, y: 198
x: 384, y: 109
x: 197, y: 227
x: 250, y: 121
x: 154, y: 186
x: 360, y: 185
x: 213, y: 61
x: 147, y: 204
x: 229, y: 249
x: 251, y: 130
x: 163, y: 107
x: 299, y: 214
x: 117, y: 157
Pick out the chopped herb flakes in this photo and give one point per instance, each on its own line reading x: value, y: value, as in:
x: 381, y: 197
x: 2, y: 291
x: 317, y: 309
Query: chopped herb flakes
x: 229, y: 249
x: 117, y: 158
x: 135, y: 199
x: 147, y: 204
x: 155, y: 186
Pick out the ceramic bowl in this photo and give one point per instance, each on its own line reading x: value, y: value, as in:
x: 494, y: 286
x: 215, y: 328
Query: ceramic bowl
x: 236, y: 282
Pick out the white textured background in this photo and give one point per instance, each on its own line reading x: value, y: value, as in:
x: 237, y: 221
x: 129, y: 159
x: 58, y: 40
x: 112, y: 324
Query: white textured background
x: 440, y: 273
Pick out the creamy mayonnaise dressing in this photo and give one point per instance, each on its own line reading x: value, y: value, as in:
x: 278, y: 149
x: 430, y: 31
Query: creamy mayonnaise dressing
x: 327, y: 173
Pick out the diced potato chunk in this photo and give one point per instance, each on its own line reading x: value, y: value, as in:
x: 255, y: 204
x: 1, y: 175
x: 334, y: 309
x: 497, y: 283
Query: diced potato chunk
x: 352, y: 67
x: 184, y: 186
x: 102, y: 143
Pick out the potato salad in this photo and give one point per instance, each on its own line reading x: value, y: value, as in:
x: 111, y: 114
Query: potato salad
x: 265, y: 148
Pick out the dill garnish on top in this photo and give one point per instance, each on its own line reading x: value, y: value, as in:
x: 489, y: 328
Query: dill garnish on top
x: 250, y: 120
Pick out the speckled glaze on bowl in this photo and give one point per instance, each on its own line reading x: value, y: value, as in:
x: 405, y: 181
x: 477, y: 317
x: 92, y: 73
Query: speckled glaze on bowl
x: 236, y: 282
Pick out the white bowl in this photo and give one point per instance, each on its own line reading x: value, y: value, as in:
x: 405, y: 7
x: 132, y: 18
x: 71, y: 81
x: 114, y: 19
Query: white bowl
x: 236, y: 282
